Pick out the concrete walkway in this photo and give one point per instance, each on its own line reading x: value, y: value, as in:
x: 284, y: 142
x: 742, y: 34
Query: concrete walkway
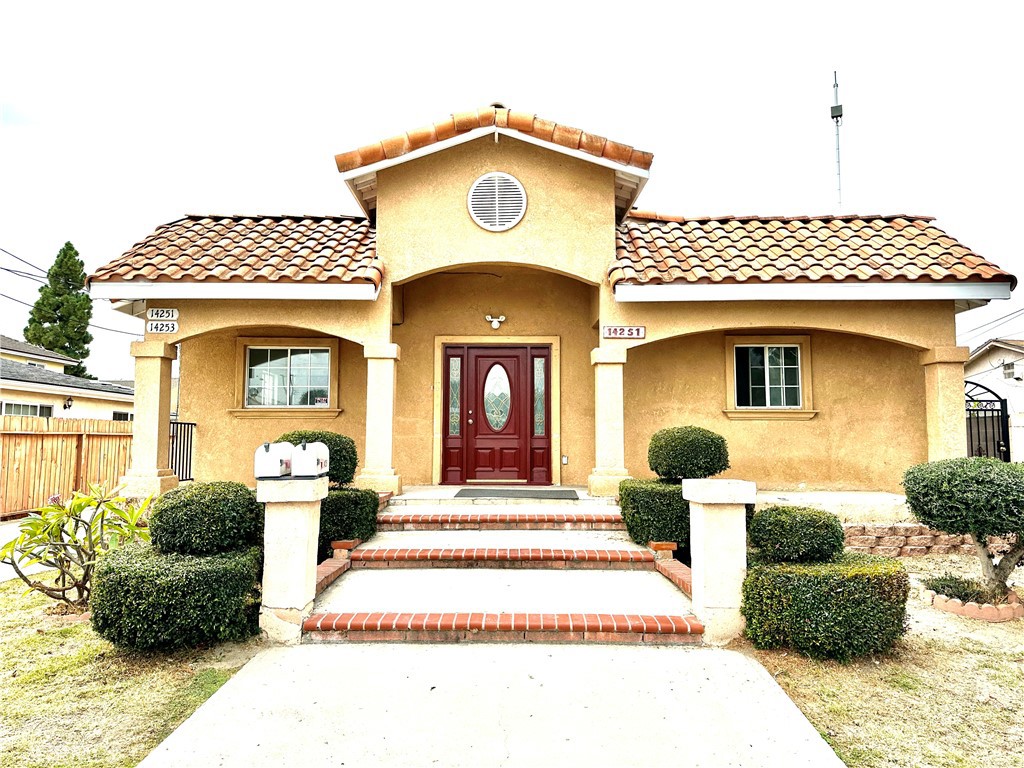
x: 497, y: 705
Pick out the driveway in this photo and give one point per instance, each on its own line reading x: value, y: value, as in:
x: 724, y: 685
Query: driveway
x: 497, y: 705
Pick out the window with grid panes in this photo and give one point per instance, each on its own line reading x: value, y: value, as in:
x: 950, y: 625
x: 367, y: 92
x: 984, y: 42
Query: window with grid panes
x: 288, y: 377
x: 767, y: 376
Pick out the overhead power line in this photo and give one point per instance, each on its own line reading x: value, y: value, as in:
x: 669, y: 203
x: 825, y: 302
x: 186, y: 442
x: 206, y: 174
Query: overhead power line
x: 99, y: 327
x: 991, y: 325
x: 29, y: 263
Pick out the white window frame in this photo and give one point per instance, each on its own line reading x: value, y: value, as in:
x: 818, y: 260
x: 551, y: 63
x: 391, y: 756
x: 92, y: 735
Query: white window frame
x: 768, y: 386
x: 288, y: 386
x: 241, y: 380
x: 129, y: 416
x: 803, y: 411
x: 37, y: 406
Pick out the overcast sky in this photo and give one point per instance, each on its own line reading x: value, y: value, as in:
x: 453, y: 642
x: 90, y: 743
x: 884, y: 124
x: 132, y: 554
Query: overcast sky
x: 117, y: 118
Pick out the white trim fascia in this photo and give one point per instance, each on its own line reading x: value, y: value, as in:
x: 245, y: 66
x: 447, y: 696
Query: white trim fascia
x: 812, y: 292
x: 349, y: 177
x: 143, y: 290
x: 52, y: 389
x: 993, y: 343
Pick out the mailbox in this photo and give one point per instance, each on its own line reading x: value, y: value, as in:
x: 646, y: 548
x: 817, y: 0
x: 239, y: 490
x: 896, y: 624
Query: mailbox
x: 310, y: 460
x: 273, y: 460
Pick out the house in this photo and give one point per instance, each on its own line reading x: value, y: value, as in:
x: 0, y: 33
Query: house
x: 503, y: 313
x: 994, y: 376
x: 33, y: 383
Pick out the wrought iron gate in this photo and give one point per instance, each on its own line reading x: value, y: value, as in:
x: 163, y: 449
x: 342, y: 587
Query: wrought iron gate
x: 988, y: 422
x: 181, y: 448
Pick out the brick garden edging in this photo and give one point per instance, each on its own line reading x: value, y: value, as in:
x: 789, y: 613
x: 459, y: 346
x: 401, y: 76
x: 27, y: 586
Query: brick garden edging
x: 904, y: 540
x: 1011, y: 609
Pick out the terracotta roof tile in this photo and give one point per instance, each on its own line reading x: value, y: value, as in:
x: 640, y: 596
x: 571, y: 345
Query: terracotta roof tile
x: 463, y: 122
x: 309, y: 249
x: 653, y: 248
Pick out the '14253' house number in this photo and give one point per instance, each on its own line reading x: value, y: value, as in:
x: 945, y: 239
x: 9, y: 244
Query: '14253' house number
x: 161, y: 320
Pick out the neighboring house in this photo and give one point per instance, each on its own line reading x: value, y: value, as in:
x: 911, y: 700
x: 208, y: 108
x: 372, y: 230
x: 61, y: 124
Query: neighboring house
x: 998, y: 365
x: 503, y: 314
x: 33, y: 383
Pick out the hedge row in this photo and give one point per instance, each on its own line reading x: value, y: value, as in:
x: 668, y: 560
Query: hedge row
x: 206, y: 519
x: 785, y: 534
x: 341, y: 451
x: 350, y: 513
x: 655, y: 511
x: 849, y: 607
x: 147, y: 600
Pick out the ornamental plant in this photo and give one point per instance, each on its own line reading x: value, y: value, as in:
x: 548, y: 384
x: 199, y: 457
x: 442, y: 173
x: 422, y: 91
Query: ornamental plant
x: 341, y: 450
x: 979, y: 497
x: 72, y: 537
x: 678, y: 453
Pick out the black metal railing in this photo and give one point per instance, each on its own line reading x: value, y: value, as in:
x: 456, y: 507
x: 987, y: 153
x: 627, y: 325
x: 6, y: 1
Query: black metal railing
x: 988, y: 423
x: 182, y: 433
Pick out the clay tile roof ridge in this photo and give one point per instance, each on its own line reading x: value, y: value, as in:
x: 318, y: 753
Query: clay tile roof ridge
x: 654, y: 216
x: 264, y: 216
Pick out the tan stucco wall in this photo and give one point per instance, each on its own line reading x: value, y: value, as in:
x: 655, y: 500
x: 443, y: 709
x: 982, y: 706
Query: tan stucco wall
x: 535, y: 303
x: 225, y: 442
x: 869, y: 428
x: 81, y: 408
x: 423, y: 223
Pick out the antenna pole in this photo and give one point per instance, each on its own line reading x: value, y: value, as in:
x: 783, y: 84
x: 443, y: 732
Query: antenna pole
x: 837, y: 118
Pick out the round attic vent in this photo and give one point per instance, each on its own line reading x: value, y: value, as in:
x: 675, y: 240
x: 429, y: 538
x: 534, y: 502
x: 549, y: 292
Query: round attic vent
x: 497, y: 201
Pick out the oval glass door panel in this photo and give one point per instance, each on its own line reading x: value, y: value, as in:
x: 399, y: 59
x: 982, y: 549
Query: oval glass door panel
x: 497, y: 397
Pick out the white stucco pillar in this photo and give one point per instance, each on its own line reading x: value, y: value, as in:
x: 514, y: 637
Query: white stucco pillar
x: 378, y: 470
x: 609, y: 426
x: 944, y: 401
x: 718, y: 553
x: 150, y: 471
x: 290, y: 536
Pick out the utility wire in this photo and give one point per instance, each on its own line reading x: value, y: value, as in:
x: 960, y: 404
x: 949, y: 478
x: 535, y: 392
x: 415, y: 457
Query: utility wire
x: 19, y: 273
x: 29, y: 263
x: 100, y: 327
x: 985, y: 327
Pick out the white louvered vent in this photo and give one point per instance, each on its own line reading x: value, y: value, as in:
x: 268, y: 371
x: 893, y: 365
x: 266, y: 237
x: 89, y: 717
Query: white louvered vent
x: 497, y: 201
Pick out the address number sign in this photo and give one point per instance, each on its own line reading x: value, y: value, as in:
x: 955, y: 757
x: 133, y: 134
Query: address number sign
x: 161, y: 320
x: 624, y: 331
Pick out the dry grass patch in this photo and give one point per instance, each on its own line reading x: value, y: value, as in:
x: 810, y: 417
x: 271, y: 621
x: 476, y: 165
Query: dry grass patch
x: 70, y: 698
x: 951, y: 695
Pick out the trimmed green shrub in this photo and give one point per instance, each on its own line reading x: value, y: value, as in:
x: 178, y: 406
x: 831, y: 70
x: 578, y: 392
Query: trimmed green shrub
x: 655, y: 511
x: 677, y: 453
x: 849, y: 607
x: 796, y: 534
x: 341, y: 449
x: 978, y: 496
x: 146, y: 600
x: 349, y: 513
x: 206, y: 518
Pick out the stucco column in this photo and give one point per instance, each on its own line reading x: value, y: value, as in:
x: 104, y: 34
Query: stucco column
x: 378, y: 471
x: 150, y: 471
x: 944, y: 401
x: 290, y: 536
x: 718, y: 553
x: 609, y: 427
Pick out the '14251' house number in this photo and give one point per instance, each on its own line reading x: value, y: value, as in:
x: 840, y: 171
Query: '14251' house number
x: 161, y: 320
x: 624, y: 331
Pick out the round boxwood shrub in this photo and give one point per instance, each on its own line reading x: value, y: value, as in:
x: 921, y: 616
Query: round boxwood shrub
x: 206, y: 518
x: 348, y: 513
x: 340, y: 448
x: 146, y: 600
x: 654, y: 511
x: 796, y: 534
x: 678, y: 453
x: 852, y: 606
x: 978, y: 496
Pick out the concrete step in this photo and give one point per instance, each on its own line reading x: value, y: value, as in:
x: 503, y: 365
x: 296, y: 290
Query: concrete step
x: 502, y: 549
x: 503, y: 606
x: 446, y: 496
x: 500, y: 517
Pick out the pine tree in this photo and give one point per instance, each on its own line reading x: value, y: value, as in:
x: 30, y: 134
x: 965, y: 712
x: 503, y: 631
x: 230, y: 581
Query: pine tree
x: 59, y: 320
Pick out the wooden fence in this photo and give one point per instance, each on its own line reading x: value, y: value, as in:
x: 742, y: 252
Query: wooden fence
x: 41, y: 457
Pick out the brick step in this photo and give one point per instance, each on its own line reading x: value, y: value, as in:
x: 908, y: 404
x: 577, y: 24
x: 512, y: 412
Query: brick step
x: 518, y: 557
x: 410, y: 520
x: 459, y: 627
x: 433, y: 499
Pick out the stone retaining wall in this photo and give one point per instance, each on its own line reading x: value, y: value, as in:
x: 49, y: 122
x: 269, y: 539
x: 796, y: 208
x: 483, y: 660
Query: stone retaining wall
x: 903, y: 540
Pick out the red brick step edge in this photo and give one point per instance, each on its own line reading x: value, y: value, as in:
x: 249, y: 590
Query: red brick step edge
x: 500, y: 520
x: 363, y: 557
x: 508, y: 627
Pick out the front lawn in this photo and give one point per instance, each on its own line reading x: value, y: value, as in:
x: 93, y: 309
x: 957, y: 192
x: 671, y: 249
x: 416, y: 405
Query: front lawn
x: 70, y: 698
x: 950, y: 696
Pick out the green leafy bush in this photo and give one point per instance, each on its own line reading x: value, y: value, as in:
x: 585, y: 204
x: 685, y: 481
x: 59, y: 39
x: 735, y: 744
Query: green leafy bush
x: 206, y: 518
x: 146, y: 600
x: 71, y: 537
x: 978, y: 496
x: 678, y: 453
x: 349, y: 513
x: 964, y: 590
x: 655, y: 511
x: 849, y: 607
x: 340, y: 448
x: 796, y: 534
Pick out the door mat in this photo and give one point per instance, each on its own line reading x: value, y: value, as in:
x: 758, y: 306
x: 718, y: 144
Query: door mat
x: 516, y: 493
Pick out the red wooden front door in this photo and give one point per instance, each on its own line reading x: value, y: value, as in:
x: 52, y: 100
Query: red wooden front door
x: 498, y: 415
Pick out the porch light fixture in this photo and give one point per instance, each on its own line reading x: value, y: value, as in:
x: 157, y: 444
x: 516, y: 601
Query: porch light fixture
x: 68, y: 403
x: 495, y: 321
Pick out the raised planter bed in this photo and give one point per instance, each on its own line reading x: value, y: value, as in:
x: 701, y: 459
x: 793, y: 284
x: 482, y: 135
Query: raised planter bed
x: 1012, y: 609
